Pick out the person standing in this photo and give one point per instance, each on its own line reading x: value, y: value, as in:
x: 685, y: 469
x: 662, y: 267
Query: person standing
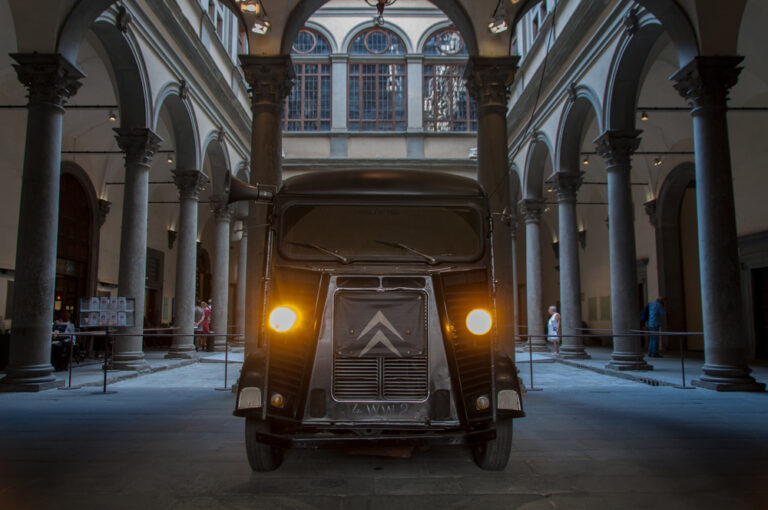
x: 207, y: 339
x: 655, y: 313
x: 553, y: 328
x: 199, y: 317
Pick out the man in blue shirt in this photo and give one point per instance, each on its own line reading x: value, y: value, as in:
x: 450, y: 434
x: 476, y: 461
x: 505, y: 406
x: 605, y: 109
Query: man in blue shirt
x: 655, y: 312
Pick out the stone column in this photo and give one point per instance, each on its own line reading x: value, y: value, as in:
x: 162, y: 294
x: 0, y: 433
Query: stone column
x: 50, y: 80
x: 223, y: 216
x: 488, y: 80
x: 270, y: 79
x: 139, y: 145
x: 242, y: 272
x: 616, y: 147
x: 532, y: 209
x: 190, y: 183
x: 705, y: 82
x: 567, y: 185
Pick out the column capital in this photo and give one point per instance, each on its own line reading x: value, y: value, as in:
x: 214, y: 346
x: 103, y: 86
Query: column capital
x: 270, y: 79
x: 49, y: 77
x: 488, y: 79
x: 138, y: 144
x: 222, y: 211
x: 567, y: 184
x: 705, y: 81
x: 189, y: 182
x: 104, y: 206
x: 617, y: 146
x: 531, y: 209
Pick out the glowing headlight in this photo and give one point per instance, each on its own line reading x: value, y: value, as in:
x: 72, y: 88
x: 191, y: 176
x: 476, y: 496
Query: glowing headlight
x: 283, y: 319
x: 479, y: 321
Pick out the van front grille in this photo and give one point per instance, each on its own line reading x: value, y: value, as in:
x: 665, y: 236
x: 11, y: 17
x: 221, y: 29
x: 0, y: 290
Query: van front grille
x: 376, y: 378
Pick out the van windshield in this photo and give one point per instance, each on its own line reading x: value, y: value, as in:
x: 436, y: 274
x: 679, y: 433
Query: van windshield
x: 348, y: 233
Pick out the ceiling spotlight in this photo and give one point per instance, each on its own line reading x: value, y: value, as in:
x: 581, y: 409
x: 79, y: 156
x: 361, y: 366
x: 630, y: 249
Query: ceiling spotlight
x: 644, y: 116
x: 261, y: 22
x: 112, y: 116
x: 498, y: 22
x: 586, y: 160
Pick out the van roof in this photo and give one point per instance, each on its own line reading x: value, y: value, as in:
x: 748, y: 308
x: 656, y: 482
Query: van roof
x: 381, y: 182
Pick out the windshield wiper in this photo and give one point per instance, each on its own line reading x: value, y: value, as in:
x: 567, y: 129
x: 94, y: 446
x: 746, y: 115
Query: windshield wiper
x: 430, y: 259
x: 342, y: 258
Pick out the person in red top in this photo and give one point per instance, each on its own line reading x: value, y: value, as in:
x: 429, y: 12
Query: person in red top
x: 207, y: 342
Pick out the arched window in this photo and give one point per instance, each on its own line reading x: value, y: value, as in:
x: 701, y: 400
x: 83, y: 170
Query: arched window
x: 448, y: 106
x: 308, y: 107
x: 377, y: 79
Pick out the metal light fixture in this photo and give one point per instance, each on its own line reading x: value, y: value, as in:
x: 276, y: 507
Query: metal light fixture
x: 644, y: 116
x: 657, y: 162
x: 112, y: 116
x: 170, y: 158
x: 261, y: 22
x: 498, y: 22
x: 586, y: 161
x: 379, y: 4
x: 172, y: 235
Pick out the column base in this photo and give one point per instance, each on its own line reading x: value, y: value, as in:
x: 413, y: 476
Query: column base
x: 727, y: 378
x: 185, y: 352
x: 29, y: 378
x: 574, y: 354
x: 628, y: 361
x: 130, y: 361
x: 535, y: 347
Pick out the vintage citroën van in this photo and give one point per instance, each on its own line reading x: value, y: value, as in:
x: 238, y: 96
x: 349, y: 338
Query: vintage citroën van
x: 378, y: 323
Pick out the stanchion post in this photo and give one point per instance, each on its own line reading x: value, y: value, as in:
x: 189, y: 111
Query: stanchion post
x: 69, y: 385
x: 530, y: 358
x: 682, y: 366
x: 226, y: 364
x: 108, y: 353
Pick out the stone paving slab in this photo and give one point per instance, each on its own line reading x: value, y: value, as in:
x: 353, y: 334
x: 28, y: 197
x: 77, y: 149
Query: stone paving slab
x: 167, y: 440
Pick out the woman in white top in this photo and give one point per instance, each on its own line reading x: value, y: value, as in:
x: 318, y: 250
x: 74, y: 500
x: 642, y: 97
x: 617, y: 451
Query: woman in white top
x: 553, y: 328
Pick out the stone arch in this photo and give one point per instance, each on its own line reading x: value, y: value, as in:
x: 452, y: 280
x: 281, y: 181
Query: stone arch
x: 625, y: 75
x: 678, y: 26
x: 78, y: 22
x: 451, y: 8
x: 173, y: 96
x: 355, y: 31
x: 572, y: 126
x: 536, y: 159
x: 325, y: 33
x: 213, y: 147
x: 94, y: 228
x: 668, y: 247
x: 128, y: 71
x: 428, y: 33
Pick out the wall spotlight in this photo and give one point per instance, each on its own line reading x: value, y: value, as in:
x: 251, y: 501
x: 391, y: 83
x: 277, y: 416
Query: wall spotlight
x: 657, y: 162
x: 644, y: 116
x: 170, y: 158
x: 172, y: 235
x: 112, y: 117
x: 586, y: 160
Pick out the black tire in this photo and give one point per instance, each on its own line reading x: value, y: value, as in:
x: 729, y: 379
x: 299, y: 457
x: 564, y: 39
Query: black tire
x: 262, y: 457
x: 494, y: 455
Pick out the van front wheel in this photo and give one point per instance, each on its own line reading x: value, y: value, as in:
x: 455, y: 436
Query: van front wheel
x: 494, y: 455
x: 262, y: 457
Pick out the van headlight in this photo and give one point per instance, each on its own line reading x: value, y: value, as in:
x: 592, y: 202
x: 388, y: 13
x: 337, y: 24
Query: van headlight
x: 283, y: 319
x: 479, y: 321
